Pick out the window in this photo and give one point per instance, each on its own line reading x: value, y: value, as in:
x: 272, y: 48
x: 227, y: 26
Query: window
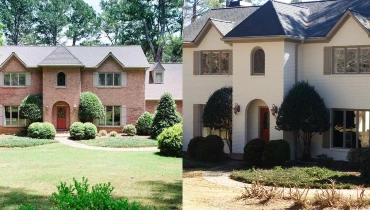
x: 61, y: 79
x: 208, y: 131
x: 12, y: 116
x: 109, y: 79
x: 351, y: 60
x: 112, y: 116
x: 258, y: 62
x: 14, y: 79
x: 351, y: 129
x: 215, y: 62
x: 158, y: 77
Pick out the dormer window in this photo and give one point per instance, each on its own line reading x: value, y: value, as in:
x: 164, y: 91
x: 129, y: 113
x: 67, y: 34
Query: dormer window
x: 158, y: 77
x: 61, y: 79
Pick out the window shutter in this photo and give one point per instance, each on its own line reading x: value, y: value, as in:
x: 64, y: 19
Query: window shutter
x: 196, y: 67
x: 326, y: 137
x: 1, y: 115
x: 28, y: 78
x: 196, y: 120
x: 124, y: 79
x: 1, y: 79
x: 230, y: 62
x: 96, y: 79
x: 328, y: 58
x: 123, y: 115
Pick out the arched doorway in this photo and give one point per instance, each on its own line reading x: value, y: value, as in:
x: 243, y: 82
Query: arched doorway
x: 257, y: 120
x: 61, y: 113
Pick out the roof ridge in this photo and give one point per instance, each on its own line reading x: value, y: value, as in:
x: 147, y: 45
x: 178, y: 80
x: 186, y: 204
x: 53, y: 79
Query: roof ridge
x: 290, y: 4
x: 73, y: 55
x: 362, y: 13
x: 234, y: 7
x: 49, y: 54
x: 277, y: 14
x: 305, y: 2
x: 219, y: 20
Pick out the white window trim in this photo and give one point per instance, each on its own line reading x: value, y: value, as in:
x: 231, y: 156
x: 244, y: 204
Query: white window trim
x: 345, y: 60
x: 15, y: 86
x: 14, y: 126
x: 105, y: 119
x: 155, y: 77
x: 110, y: 86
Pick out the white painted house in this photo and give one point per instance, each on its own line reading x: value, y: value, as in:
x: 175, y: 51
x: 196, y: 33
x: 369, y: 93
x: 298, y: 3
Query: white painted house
x: 262, y: 51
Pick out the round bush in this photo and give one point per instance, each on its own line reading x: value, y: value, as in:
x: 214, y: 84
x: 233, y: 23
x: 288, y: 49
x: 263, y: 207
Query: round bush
x: 34, y: 130
x: 103, y: 133
x: 47, y: 131
x: 170, y: 141
x: 90, y: 131
x: 113, y: 134
x: 144, y: 123
x: 90, y: 107
x: 365, y: 166
x: 253, y: 151
x: 193, y: 144
x: 77, y: 130
x: 129, y: 130
x: 276, y: 153
x: 31, y: 108
x: 210, y: 149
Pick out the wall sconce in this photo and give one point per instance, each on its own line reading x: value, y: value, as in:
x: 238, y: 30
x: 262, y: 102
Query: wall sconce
x: 75, y: 107
x: 47, y: 107
x: 236, y: 108
x: 274, y: 110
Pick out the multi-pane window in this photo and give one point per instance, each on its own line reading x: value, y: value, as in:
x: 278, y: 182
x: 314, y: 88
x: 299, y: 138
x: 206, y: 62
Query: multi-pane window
x: 351, y: 129
x: 112, y: 116
x: 109, y: 79
x: 14, y: 79
x: 61, y: 79
x: 12, y: 116
x: 208, y: 131
x: 215, y: 62
x: 258, y: 62
x: 351, y: 60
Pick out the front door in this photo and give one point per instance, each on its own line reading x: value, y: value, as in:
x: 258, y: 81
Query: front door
x: 265, y: 124
x: 61, y: 117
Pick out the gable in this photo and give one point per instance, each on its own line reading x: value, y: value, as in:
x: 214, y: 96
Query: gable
x: 13, y: 63
x: 212, y: 40
x: 110, y: 65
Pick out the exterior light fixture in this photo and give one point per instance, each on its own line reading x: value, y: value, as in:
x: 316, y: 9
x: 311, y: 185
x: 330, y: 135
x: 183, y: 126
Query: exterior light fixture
x: 236, y: 108
x: 47, y: 106
x: 274, y: 110
x: 74, y: 106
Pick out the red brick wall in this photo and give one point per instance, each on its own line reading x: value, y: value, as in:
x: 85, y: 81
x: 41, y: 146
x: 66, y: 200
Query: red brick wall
x: 10, y: 130
x: 150, y: 105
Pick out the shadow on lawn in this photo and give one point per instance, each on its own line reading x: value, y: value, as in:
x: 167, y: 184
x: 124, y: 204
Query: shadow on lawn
x: 11, y: 198
x: 169, y: 195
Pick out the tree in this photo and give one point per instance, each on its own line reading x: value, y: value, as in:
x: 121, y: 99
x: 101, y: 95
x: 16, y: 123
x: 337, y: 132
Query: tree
x: 304, y: 113
x: 18, y: 19
x: 90, y: 107
x: 31, y: 108
x: 173, y: 49
x: 217, y: 113
x: 165, y: 116
x: 1, y: 35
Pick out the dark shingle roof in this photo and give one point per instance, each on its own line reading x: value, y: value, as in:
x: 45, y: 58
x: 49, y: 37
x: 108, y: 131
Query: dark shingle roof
x: 60, y: 56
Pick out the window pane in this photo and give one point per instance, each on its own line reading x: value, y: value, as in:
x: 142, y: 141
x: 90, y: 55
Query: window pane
x: 7, y: 79
x: 109, y: 79
x: 14, y: 114
x: 102, y: 121
x: 108, y: 116
x: 365, y: 60
x: 158, y: 78
x: 102, y: 79
x: 117, y: 79
x: 215, y: 63
x: 22, y: 79
x: 117, y: 116
x: 339, y: 60
x: 7, y: 115
x: 206, y: 63
x: 338, y: 128
x: 352, y: 60
x: 224, y: 63
x: 259, y: 62
x: 14, y: 78
x: 350, y: 129
x: 223, y: 134
x: 61, y: 79
x: 206, y: 131
x: 215, y: 132
x: 364, y: 129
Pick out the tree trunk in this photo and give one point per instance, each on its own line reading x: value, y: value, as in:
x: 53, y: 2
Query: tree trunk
x: 194, y: 16
x: 307, y: 146
x: 296, y: 141
x: 229, y: 141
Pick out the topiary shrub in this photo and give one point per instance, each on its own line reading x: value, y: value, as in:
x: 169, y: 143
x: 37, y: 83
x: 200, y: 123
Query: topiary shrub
x: 90, y: 107
x: 34, y: 130
x: 324, y: 160
x: 276, y: 153
x: 144, y: 124
x: 103, y: 133
x: 253, y: 151
x: 211, y: 148
x: 90, y: 131
x: 77, y: 130
x: 47, y: 131
x: 31, y: 108
x: 170, y: 141
x: 113, y: 134
x: 129, y: 129
x: 193, y: 144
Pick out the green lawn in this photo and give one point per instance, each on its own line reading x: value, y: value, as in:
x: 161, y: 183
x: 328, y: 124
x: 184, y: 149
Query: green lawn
x: 15, y: 141
x: 313, y: 177
x: 30, y: 175
x: 121, y: 142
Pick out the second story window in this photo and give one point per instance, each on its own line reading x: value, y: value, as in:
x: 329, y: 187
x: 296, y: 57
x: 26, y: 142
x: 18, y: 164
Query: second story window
x: 158, y: 77
x: 109, y: 79
x: 351, y: 60
x: 14, y: 79
x: 215, y: 62
x: 258, y: 62
x: 61, y: 79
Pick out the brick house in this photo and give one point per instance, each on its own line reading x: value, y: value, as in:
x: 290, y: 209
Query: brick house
x: 161, y: 78
x: 115, y: 74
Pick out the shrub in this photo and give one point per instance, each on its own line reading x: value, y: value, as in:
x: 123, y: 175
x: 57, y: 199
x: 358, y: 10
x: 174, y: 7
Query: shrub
x: 90, y: 107
x: 77, y: 130
x: 21, y: 133
x: 170, y: 141
x: 41, y: 130
x: 365, y: 166
x: 276, y: 153
x: 113, y: 134
x: 210, y: 149
x: 144, y: 123
x: 103, y: 133
x: 253, y: 151
x: 31, y: 108
x: 356, y: 155
x: 324, y: 161
x: 90, y: 131
x: 192, y: 146
x: 129, y: 130
x: 34, y: 130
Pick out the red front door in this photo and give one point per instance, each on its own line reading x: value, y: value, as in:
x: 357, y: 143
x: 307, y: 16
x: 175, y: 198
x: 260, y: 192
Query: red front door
x: 265, y: 124
x: 61, y: 117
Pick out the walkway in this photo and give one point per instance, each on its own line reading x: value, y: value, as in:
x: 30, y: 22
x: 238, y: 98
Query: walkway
x: 62, y: 137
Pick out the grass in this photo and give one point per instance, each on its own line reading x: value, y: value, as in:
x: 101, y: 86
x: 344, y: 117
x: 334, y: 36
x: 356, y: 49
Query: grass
x: 190, y: 163
x: 30, y: 175
x: 313, y: 177
x: 15, y: 141
x: 121, y: 142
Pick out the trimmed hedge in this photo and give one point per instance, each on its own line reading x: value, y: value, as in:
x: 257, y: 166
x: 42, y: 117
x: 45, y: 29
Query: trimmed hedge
x: 113, y: 134
x: 144, y: 124
x: 103, y: 133
x: 90, y: 131
x: 90, y: 107
x: 211, y: 148
x: 31, y: 108
x: 129, y: 129
x: 41, y: 130
x: 276, y: 153
x: 253, y: 151
x: 192, y: 146
x: 77, y: 130
x: 170, y: 141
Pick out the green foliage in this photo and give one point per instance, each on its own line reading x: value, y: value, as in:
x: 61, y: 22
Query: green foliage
x: 31, y: 108
x: 144, y: 123
x: 365, y: 166
x: 121, y: 142
x: 211, y: 148
x: 129, y: 130
x: 103, y: 133
x: 173, y: 49
x: 276, y: 153
x: 34, y: 130
x: 170, y: 141
x: 356, y: 155
x: 113, y: 134
x: 1, y: 33
x: 90, y: 131
x: 253, y: 151
x: 193, y: 144
x: 217, y: 113
x: 41, y: 130
x: 15, y: 141
x: 324, y: 160
x: 26, y: 207
x: 77, y: 130
x: 90, y: 107
x: 165, y: 116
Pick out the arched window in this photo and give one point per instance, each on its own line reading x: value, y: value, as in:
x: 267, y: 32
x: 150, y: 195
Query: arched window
x: 61, y: 79
x: 258, y: 62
